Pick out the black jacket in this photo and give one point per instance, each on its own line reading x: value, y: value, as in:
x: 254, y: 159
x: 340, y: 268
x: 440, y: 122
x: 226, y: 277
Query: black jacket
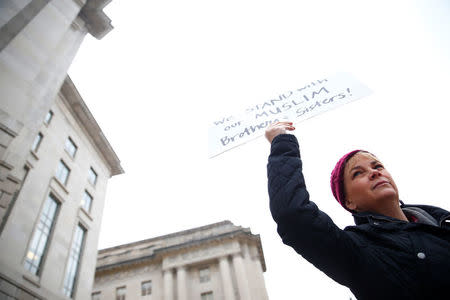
x: 379, y: 258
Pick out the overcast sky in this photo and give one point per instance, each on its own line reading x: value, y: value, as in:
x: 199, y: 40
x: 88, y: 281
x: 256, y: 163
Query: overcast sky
x: 170, y: 67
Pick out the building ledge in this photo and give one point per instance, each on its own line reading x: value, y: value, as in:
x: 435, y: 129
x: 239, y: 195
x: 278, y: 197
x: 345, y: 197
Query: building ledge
x: 34, y: 154
x: 60, y: 185
x: 33, y: 279
x: 120, y: 261
x: 97, y: 22
x: 80, y: 111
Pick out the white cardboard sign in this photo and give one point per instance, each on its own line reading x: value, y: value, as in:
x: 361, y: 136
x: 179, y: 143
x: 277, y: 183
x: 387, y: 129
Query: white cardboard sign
x: 297, y: 105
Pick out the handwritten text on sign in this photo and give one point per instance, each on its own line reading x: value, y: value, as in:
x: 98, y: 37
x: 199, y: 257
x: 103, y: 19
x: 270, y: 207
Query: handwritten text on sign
x: 297, y: 105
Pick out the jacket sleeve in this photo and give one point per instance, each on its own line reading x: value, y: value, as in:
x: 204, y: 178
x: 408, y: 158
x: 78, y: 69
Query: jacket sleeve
x: 301, y: 224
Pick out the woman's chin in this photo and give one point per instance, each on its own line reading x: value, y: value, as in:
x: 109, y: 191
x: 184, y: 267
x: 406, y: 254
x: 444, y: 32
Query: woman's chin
x: 388, y: 195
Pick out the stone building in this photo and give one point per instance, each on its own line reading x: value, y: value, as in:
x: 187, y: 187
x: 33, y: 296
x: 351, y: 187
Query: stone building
x: 48, y: 242
x: 54, y: 159
x: 38, y: 41
x: 220, y: 261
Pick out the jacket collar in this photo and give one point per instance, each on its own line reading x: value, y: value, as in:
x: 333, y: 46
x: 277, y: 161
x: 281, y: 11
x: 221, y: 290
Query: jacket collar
x: 438, y: 213
x: 364, y: 217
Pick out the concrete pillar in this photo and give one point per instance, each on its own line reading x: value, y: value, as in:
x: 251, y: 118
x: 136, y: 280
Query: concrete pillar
x: 168, y: 285
x: 182, y: 284
x: 260, y: 280
x: 226, y: 278
x: 247, y: 258
x: 241, y: 277
x: 250, y: 272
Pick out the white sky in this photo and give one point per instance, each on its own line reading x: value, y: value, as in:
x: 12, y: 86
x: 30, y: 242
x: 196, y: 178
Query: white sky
x: 169, y: 67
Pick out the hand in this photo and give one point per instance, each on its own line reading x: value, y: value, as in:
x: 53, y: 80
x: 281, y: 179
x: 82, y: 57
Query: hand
x: 278, y: 128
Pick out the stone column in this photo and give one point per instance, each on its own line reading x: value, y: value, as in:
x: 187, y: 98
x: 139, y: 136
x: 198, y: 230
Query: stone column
x: 226, y: 278
x: 241, y: 277
x: 250, y: 271
x: 247, y: 259
x: 181, y: 283
x: 260, y: 280
x: 168, y: 285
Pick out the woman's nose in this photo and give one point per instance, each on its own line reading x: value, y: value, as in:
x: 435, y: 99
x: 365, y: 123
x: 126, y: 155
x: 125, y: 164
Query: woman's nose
x: 374, y: 174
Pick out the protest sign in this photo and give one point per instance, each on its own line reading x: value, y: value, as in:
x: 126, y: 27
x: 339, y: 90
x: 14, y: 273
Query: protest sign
x: 297, y: 105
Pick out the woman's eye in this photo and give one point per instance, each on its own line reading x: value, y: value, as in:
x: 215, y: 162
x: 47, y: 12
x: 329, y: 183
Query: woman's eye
x: 356, y: 174
x: 379, y: 167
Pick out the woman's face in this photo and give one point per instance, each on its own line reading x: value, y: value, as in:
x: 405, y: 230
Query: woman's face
x: 368, y: 185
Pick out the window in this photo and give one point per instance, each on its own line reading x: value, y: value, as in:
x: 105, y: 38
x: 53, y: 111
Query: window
x: 63, y: 172
x: 207, y: 296
x: 71, y: 148
x: 48, y: 117
x: 37, y: 142
x: 74, y: 261
x: 38, y: 246
x: 121, y: 292
x: 92, y: 176
x: 86, y: 201
x: 146, y: 288
x: 96, y: 296
x: 204, y: 274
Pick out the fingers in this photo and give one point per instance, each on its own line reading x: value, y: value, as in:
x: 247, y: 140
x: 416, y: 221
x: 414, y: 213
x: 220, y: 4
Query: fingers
x: 277, y: 128
x: 283, y: 125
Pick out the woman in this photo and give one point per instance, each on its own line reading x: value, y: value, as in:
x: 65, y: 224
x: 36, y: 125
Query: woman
x: 395, y: 251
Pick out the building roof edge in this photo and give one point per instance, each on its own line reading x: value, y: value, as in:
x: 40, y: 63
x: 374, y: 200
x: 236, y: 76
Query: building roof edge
x: 239, y: 233
x: 86, y: 120
x: 178, y: 233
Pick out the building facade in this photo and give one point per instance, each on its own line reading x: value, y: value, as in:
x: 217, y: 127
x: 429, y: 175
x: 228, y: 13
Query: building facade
x: 220, y: 261
x: 49, y: 237
x: 54, y: 159
x: 38, y: 41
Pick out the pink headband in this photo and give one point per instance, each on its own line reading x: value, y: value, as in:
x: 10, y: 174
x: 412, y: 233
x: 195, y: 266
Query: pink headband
x: 337, y: 178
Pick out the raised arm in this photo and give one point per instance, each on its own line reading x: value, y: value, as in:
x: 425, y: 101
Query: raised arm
x: 301, y: 224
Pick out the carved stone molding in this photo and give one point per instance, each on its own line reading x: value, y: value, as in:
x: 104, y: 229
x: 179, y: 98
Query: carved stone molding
x: 124, y: 272
x: 97, y: 21
x: 183, y: 248
x: 199, y: 254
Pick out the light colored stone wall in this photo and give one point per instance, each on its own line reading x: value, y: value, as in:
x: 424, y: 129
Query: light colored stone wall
x: 15, y: 238
x: 196, y: 288
x: 38, y: 41
x: 33, y: 65
x: 132, y: 279
x: 9, y: 9
x: 232, y: 254
x: 254, y: 272
x: 147, y: 247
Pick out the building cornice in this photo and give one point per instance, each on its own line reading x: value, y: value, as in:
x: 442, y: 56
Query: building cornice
x: 219, y: 237
x: 80, y: 111
x: 242, y: 235
x: 162, y: 237
x: 97, y: 22
x: 260, y: 252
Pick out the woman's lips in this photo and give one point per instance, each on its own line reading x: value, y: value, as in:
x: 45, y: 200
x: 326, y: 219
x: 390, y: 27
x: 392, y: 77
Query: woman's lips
x: 380, y: 183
